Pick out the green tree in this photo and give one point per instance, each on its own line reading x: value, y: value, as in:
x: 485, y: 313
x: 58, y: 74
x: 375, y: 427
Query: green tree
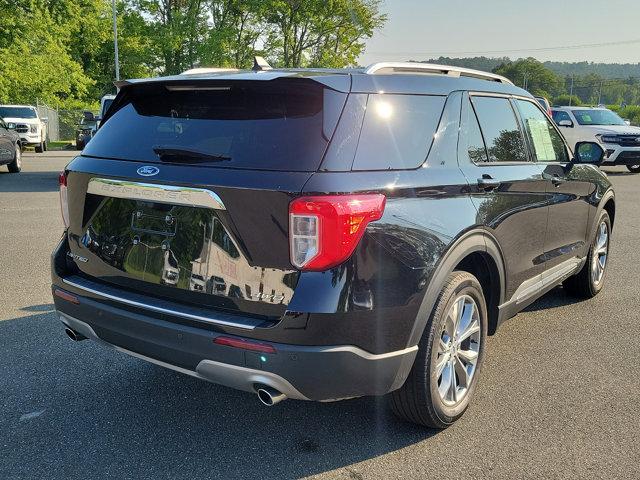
x: 70, y: 44
x: 136, y: 56
x: 631, y: 113
x: 328, y: 33
x: 35, y: 63
x: 566, y: 99
x: 237, y: 27
x: 175, y: 29
x: 61, y: 51
x: 533, y: 76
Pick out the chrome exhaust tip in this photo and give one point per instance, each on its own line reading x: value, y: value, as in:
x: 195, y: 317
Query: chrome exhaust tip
x: 270, y: 396
x: 73, y: 335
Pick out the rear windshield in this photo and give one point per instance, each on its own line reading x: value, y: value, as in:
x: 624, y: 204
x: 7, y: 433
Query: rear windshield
x: 281, y: 124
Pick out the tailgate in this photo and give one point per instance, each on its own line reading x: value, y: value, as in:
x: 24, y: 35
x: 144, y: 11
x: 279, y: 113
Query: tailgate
x: 222, y: 244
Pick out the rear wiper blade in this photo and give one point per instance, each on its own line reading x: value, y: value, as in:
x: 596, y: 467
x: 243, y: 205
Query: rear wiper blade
x: 171, y: 153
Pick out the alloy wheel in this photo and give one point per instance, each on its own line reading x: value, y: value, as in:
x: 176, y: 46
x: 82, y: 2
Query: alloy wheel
x: 458, y: 349
x: 18, y: 158
x: 600, y: 253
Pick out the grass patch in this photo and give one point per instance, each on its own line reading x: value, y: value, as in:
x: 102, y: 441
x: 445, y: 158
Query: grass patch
x: 61, y: 145
x: 55, y: 146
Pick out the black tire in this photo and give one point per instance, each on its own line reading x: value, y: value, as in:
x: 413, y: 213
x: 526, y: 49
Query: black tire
x: 16, y: 165
x: 45, y: 145
x: 40, y: 147
x: 583, y: 283
x: 418, y: 400
x: 633, y: 168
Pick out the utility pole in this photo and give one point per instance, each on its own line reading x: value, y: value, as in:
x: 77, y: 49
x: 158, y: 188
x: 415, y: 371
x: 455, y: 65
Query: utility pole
x: 600, y: 92
x: 571, y: 90
x: 115, y: 38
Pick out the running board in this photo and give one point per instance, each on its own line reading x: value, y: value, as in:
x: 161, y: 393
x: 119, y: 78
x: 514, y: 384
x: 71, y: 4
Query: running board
x: 552, y: 276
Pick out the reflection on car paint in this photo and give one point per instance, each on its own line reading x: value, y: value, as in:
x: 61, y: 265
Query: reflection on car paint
x: 183, y: 247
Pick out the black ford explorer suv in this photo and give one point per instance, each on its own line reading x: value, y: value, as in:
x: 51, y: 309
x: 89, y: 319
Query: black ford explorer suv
x: 326, y: 234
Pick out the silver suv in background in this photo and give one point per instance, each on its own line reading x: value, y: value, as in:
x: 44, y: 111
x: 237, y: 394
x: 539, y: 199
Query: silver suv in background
x: 544, y: 103
x: 27, y: 123
x: 584, y: 124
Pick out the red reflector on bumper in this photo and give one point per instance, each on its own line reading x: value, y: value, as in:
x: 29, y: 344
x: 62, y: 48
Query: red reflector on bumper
x: 245, y: 344
x: 66, y: 296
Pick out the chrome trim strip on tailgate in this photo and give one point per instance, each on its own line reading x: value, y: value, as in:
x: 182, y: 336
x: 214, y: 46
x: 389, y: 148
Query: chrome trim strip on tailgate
x: 193, y: 197
x: 158, y: 309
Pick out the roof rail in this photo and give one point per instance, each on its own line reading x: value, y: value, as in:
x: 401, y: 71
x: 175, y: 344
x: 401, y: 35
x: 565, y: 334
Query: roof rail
x: 383, y: 68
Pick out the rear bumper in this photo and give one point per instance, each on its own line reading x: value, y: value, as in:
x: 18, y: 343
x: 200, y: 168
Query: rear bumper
x: 303, y: 372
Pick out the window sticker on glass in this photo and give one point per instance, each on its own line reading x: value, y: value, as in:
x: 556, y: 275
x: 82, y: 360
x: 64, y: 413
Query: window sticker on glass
x: 541, y: 138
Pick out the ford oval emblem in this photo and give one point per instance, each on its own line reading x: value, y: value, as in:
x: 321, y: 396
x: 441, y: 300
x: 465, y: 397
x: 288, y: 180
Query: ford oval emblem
x: 148, y: 171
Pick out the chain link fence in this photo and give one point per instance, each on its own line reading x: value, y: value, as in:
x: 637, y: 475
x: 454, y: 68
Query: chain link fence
x: 50, y: 116
x: 68, y: 123
x: 61, y: 124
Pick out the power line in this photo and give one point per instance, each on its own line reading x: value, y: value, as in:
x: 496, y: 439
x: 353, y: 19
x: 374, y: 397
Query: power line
x: 596, y: 81
x: 515, y: 50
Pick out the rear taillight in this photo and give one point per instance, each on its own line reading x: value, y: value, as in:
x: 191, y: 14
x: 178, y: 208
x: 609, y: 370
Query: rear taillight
x: 64, y: 203
x: 325, y: 230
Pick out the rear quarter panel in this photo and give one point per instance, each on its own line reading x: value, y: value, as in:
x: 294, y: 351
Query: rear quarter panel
x: 378, y: 293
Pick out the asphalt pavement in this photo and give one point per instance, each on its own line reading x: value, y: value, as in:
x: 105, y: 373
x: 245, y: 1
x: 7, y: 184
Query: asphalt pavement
x: 557, y: 397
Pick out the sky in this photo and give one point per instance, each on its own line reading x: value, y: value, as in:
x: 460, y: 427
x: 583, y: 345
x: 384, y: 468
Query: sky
x: 423, y: 29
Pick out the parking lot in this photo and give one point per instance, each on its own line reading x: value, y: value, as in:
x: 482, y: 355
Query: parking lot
x: 557, y: 397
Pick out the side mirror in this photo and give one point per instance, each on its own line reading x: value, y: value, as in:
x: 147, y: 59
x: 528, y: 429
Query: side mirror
x: 11, y: 126
x: 565, y: 123
x: 589, y: 152
x: 628, y: 122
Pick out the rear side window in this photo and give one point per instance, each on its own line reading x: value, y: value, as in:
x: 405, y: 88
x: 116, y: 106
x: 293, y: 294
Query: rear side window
x: 545, y: 141
x: 397, y: 131
x: 500, y: 130
x: 277, y: 125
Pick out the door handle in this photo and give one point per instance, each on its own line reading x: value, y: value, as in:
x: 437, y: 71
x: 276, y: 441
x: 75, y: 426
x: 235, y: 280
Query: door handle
x: 556, y: 180
x: 488, y: 183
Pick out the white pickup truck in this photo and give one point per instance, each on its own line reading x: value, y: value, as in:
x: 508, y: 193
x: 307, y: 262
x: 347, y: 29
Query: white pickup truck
x: 31, y: 128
